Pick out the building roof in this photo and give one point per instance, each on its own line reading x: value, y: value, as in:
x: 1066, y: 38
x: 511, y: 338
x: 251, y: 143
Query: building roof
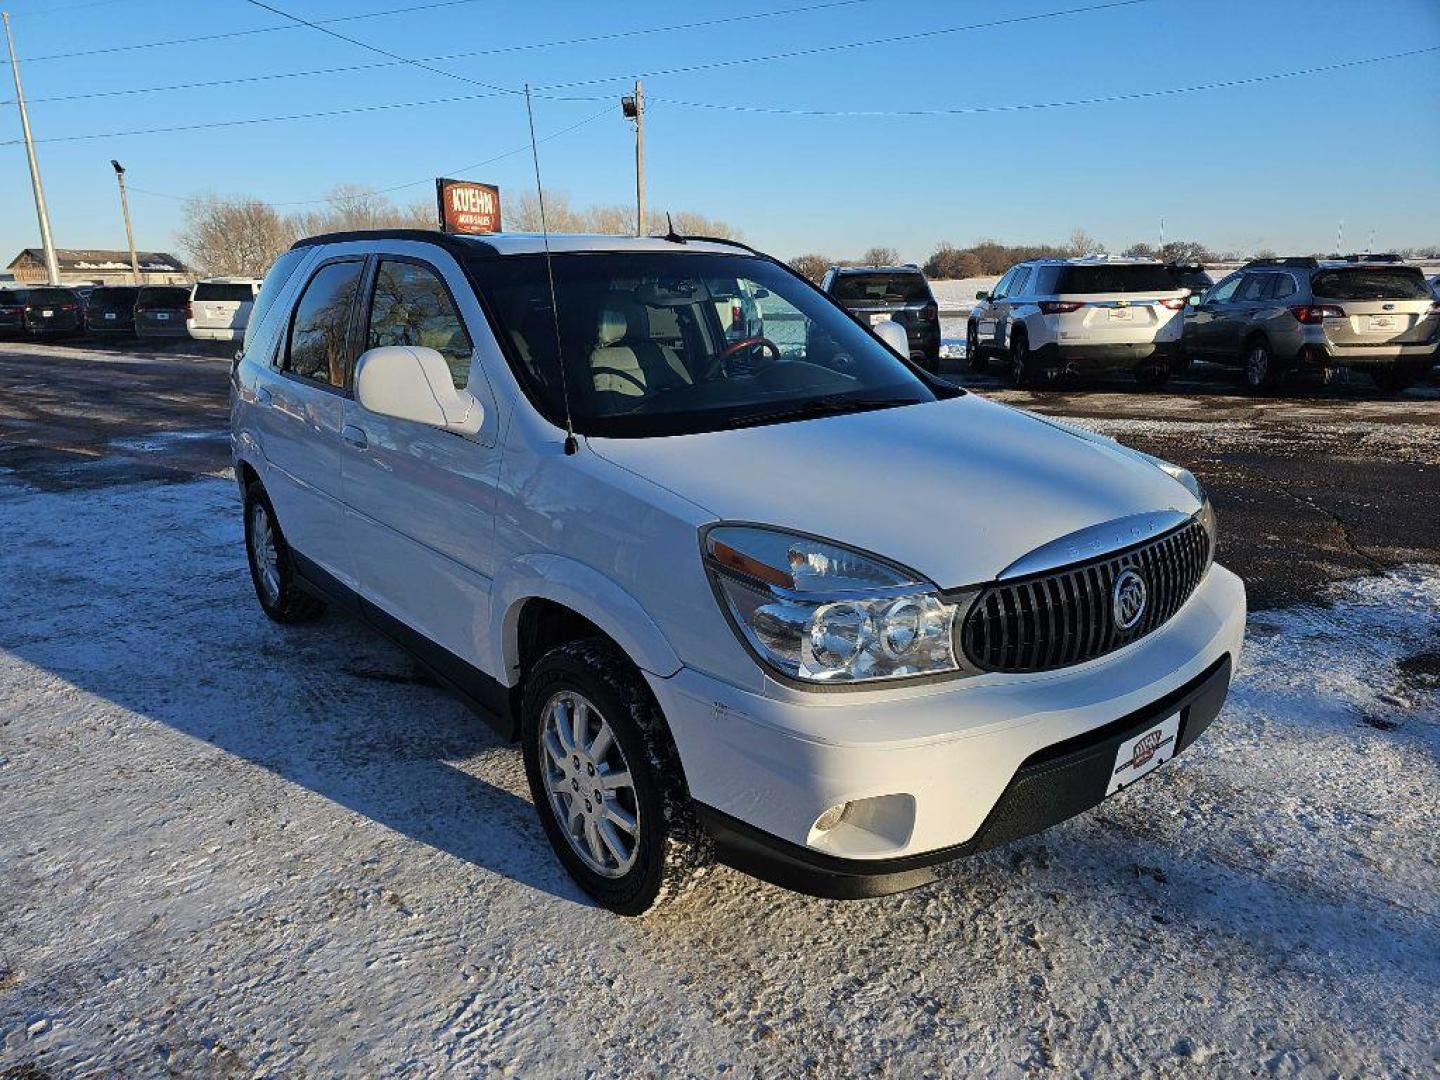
x: 98, y: 260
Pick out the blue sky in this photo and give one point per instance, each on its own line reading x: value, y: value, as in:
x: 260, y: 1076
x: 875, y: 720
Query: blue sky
x: 1275, y: 164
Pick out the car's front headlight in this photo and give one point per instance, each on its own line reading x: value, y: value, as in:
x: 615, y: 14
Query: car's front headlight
x: 825, y: 614
x: 1184, y: 476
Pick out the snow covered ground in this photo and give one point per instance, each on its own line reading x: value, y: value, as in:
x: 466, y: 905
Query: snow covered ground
x: 231, y: 849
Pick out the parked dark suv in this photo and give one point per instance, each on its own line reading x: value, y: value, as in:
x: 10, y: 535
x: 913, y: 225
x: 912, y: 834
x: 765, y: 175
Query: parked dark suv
x: 40, y: 310
x: 112, y: 310
x: 1273, y: 316
x: 161, y: 311
x: 876, y: 293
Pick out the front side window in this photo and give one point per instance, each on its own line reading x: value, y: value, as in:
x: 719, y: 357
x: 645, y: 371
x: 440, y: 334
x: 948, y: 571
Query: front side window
x: 1224, y: 291
x: 412, y: 306
x: 648, y: 347
x: 318, y: 347
x: 1002, y: 287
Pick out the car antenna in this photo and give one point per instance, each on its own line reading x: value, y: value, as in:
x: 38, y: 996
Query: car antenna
x: 672, y: 236
x: 571, y: 446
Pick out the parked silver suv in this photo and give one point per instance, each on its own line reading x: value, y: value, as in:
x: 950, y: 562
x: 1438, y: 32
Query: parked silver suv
x: 1049, y: 316
x: 1273, y: 316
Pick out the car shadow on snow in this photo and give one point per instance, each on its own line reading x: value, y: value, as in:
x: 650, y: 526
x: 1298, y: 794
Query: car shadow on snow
x: 139, y: 594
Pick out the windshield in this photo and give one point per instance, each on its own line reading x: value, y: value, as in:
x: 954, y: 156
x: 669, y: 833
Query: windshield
x: 1392, y: 283
x: 1105, y: 278
x: 881, y: 288
x: 674, y: 343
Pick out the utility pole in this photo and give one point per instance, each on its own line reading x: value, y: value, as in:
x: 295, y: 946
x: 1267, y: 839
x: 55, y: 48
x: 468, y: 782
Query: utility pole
x: 52, y: 265
x: 1340, y: 237
x: 634, y: 109
x: 125, y: 212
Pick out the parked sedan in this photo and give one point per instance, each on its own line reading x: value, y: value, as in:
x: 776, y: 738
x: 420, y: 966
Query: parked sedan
x: 161, y: 311
x: 112, y: 310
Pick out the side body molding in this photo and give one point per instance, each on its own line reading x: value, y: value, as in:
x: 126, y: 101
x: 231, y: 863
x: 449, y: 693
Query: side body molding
x: 585, y: 591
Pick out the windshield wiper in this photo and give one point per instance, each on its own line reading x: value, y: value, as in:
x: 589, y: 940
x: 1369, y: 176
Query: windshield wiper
x: 825, y: 405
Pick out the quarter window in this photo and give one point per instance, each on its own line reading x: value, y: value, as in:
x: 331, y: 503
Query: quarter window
x: 1255, y: 287
x: 412, y: 306
x: 318, y: 348
x: 1284, y: 286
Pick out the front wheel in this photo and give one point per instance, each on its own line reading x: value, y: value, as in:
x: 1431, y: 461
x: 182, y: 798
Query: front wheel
x: 1152, y: 378
x: 1023, y: 371
x: 606, y: 780
x: 975, y: 358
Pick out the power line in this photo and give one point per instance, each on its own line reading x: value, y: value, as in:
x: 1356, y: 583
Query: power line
x: 501, y: 50
x: 1104, y: 99
x: 615, y: 35
x: 820, y: 50
x: 607, y: 111
x: 422, y: 65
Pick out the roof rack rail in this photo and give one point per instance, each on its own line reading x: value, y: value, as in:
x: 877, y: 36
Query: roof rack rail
x: 1307, y: 261
x: 1367, y: 257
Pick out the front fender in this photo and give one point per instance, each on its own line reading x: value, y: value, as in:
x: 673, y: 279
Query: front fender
x: 585, y: 591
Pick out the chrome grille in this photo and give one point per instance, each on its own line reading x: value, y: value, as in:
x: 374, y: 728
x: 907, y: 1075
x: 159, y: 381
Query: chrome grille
x: 1066, y: 616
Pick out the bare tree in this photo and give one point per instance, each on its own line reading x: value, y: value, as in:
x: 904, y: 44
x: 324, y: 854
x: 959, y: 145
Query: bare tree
x: 1082, y: 244
x: 1139, y: 250
x: 811, y: 266
x: 238, y: 237
x: 880, y: 256
x: 1185, y: 251
x: 350, y: 206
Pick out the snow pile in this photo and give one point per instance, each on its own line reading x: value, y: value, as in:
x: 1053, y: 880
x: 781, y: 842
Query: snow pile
x: 236, y: 849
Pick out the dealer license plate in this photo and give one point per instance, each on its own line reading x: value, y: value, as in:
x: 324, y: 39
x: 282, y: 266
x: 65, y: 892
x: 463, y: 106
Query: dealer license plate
x: 1382, y: 322
x: 1144, y: 753
x: 162, y: 315
x: 1122, y: 314
x: 110, y: 315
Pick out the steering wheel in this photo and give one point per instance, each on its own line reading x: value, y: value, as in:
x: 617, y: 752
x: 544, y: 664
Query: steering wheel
x: 723, y: 356
x: 621, y: 374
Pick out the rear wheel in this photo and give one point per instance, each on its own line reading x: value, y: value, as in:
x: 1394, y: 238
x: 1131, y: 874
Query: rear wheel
x: 1153, y: 377
x: 1397, y: 377
x: 272, y: 570
x: 1259, y: 366
x: 1023, y: 369
x: 606, y: 779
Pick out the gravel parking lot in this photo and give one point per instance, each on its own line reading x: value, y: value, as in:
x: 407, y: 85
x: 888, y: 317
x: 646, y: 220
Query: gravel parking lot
x: 229, y: 848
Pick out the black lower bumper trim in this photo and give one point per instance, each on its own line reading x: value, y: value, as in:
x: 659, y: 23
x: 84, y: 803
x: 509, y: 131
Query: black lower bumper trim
x: 1053, y: 784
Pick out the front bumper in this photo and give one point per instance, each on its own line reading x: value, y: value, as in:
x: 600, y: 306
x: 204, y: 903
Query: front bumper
x: 957, y: 766
x: 208, y: 333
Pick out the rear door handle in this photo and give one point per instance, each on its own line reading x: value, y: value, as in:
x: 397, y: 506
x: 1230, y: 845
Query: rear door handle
x: 354, y: 436
x: 263, y: 395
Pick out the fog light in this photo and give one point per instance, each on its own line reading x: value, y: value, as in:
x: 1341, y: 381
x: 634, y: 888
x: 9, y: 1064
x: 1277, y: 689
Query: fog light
x: 830, y: 818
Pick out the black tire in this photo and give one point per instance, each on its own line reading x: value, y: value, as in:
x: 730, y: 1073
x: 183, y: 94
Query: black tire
x: 1258, y: 369
x: 1397, y: 378
x: 975, y: 358
x: 284, y: 600
x: 1023, y: 371
x: 1182, y: 361
x: 672, y: 850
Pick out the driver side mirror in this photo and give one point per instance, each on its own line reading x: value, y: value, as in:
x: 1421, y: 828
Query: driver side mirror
x: 1196, y: 299
x: 411, y: 382
x: 982, y: 295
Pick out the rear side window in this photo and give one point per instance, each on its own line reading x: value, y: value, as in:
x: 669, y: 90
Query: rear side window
x: 882, y: 288
x: 318, y: 347
x: 241, y: 293
x: 412, y: 306
x: 1103, y: 278
x: 1022, y: 278
x: 1283, y: 286
x: 271, y: 287
x: 1371, y: 283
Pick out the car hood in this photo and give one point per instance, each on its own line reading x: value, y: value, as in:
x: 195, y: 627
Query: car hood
x: 956, y: 490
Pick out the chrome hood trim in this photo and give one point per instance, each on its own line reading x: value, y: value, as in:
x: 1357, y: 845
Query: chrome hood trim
x: 1093, y: 541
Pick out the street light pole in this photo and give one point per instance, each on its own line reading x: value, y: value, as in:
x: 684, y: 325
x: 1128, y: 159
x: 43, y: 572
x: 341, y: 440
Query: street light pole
x: 634, y: 109
x: 52, y: 264
x: 125, y: 212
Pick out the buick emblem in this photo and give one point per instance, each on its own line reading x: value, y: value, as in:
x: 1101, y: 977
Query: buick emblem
x: 1127, y: 600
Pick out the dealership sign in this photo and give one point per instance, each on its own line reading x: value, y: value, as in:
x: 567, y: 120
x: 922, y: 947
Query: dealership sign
x: 466, y: 207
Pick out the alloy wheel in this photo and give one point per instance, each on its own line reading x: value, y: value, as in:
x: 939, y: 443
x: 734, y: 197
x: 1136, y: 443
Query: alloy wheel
x: 265, y: 552
x: 588, y: 781
x: 1257, y: 365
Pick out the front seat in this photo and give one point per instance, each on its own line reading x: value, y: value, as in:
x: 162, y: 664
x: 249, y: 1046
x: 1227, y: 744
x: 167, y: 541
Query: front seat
x: 614, y: 362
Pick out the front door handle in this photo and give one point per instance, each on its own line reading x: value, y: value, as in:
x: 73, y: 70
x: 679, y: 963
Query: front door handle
x: 263, y: 395
x: 354, y: 436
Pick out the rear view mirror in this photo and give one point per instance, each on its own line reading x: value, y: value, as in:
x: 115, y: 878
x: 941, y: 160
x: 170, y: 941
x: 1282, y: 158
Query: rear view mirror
x: 411, y: 382
x: 893, y: 334
x: 982, y: 295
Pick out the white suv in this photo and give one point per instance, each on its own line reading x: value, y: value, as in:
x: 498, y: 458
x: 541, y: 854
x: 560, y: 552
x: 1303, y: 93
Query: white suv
x: 1049, y: 316
x: 220, y: 308
x: 800, y: 608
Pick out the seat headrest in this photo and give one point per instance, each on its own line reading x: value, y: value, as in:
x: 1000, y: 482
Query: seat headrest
x: 613, y: 325
x: 621, y: 318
